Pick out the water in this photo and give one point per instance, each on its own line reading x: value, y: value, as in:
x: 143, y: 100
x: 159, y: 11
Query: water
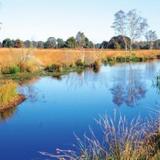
x: 58, y: 108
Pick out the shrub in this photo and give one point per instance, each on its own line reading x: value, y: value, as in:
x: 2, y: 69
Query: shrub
x: 79, y: 63
x: 10, y: 70
x: 120, y: 59
x: 96, y: 66
x: 127, y: 59
x: 109, y: 61
x: 54, y: 68
x: 134, y: 58
x: 104, y: 61
x: 14, y: 69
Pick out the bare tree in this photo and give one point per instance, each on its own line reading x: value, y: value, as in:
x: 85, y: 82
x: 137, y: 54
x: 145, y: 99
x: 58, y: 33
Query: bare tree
x: 151, y: 36
x: 129, y: 25
x: 119, y: 25
x: 80, y: 39
x: 136, y: 26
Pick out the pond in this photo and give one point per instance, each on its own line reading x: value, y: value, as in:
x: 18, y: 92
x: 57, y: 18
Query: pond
x: 57, y: 108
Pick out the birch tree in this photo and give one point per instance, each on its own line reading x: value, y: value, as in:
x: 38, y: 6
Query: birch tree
x: 119, y: 25
x: 136, y: 26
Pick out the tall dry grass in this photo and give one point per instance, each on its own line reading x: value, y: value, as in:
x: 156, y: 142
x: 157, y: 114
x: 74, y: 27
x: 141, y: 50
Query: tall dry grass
x: 46, y: 57
x: 22, y: 58
x: 8, y: 91
x: 121, y: 140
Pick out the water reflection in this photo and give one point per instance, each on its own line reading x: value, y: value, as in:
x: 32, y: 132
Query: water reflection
x: 88, y: 78
x: 86, y: 95
x: 125, y: 83
x: 156, y: 83
x: 31, y: 92
x: 128, y: 95
x: 150, y: 69
x: 129, y: 89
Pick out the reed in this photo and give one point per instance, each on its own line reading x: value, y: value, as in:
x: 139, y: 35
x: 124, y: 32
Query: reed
x: 120, y: 140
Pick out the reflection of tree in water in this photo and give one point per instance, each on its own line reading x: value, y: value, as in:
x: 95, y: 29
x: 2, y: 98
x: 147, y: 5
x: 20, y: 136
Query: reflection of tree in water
x: 130, y: 90
x: 7, y: 114
x: 87, y: 78
x: 150, y: 68
x: 156, y: 83
x: 128, y: 94
x: 118, y: 92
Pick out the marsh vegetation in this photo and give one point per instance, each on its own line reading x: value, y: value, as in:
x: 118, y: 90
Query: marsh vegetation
x: 27, y: 63
x: 67, y: 83
x: 9, y: 96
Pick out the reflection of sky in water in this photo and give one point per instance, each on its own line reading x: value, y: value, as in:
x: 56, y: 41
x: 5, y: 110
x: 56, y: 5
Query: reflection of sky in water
x: 55, y: 109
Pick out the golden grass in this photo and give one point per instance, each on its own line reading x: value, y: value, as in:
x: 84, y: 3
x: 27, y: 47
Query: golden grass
x: 7, y: 91
x: 9, y: 96
x: 66, y: 56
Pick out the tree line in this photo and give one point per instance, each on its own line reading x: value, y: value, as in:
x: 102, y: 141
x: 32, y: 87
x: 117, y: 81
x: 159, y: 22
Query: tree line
x: 129, y: 28
x: 116, y: 42
x: 80, y: 41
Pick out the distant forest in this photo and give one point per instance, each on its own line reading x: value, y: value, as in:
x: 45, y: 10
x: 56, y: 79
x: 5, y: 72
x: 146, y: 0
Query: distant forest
x: 80, y: 41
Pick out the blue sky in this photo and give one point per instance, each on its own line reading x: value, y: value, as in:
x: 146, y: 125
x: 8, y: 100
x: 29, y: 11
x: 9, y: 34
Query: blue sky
x: 40, y: 19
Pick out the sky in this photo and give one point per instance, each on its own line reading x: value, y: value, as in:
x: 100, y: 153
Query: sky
x: 40, y: 19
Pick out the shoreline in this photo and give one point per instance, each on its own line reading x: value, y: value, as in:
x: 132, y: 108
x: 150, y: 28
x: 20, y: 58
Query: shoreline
x: 60, y: 71
x: 13, y: 103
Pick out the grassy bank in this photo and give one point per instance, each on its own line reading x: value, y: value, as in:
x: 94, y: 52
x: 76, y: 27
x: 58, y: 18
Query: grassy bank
x: 9, y: 96
x: 21, y: 64
x: 48, y: 71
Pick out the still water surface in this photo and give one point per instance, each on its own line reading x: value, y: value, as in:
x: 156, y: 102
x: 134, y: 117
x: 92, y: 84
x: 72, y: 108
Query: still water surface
x: 58, y: 108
